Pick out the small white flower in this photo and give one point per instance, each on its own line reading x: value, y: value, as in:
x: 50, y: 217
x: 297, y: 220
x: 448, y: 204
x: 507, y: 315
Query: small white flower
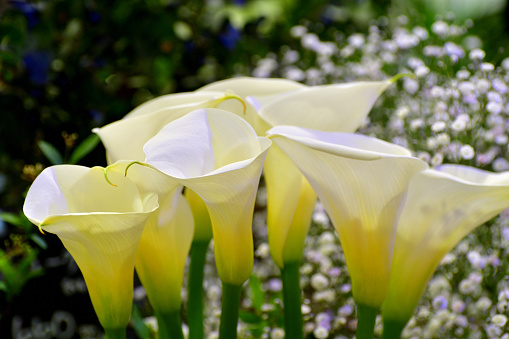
x: 483, y: 85
x: 421, y: 71
x: 476, y: 260
x: 463, y: 74
x: 356, y: 40
x: 458, y: 125
x: 494, y: 107
x: 443, y: 139
x: 263, y: 250
x: 414, y: 62
x: 440, y: 27
x: 477, y: 54
x: 500, y: 165
x: 321, y: 332
x: 431, y: 50
x: 438, y: 126
x: 486, y: 67
x: 277, y: 333
x: 458, y: 306
x: 298, y: 31
x: 466, y: 286
x: 483, y: 304
x: 411, y: 86
x: 416, y: 123
x: 505, y: 64
x: 437, y: 159
x: 319, y: 281
x: 467, y: 152
x: 501, y: 139
x: 420, y: 32
x: 439, y: 303
x: 499, y: 320
x: 461, y: 321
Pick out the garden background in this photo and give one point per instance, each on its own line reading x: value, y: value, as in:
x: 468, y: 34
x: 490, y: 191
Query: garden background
x: 67, y: 67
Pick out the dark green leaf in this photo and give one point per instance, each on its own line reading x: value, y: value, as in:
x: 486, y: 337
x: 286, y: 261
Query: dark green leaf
x: 12, y: 219
x: 50, y: 152
x: 85, y: 147
x: 141, y: 329
x: 257, y: 296
x: 249, y: 318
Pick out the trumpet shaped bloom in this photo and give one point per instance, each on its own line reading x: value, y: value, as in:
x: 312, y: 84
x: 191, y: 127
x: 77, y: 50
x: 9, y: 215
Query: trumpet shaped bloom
x: 361, y: 182
x: 218, y: 156
x: 273, y: 102
x: 442, y: 206
x: 166, y: 240
x: 100, y: 225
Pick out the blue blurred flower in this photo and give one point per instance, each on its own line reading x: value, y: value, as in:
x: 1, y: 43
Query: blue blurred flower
x: 28, y: 10
x: 229, y: 37
x: 37, y: 64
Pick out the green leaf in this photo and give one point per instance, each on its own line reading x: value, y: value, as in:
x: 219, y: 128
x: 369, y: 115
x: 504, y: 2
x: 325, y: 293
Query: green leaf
x: 3, y: 287
x: 85, y: 147
x: 19, y: 220
x: 12, y: 219
x: 50, y: 152
x: 250, y: 318
x: 38, y: 240
x: 257, y: 296
x: 141, y: 329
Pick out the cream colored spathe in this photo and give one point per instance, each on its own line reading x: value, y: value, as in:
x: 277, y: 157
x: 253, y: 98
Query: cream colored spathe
x: 443, y: 205
x: 218, y: 156
x: 100, y: 225
x: 361, y: 182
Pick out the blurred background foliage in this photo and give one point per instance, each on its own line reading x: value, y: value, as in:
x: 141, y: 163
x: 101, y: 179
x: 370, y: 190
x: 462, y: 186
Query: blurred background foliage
x: 69, y: 66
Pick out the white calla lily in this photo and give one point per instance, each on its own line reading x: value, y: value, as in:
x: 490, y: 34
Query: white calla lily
x: 218, y: 156
x: 100, y: 225
x: 361, y: 182
x: 442, y: 206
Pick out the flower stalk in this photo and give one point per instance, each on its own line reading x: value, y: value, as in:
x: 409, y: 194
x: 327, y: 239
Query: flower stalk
x: 115, y: 333
x: 195, y: 289
x: 292, y: 300
x: 366, y: 318
x: 170, y: 325
x: 230, y: 303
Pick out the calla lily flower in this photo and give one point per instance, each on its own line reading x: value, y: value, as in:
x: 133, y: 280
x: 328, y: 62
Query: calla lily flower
x: 217, y: 155
x: 100, y: 225
x: 442, y: 206
x: 361, y: 182
x: 273, y: 102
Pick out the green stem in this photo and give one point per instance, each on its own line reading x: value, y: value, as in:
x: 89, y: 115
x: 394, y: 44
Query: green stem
x: 230, y: 303
x: 366, y: 318
x: 393, y: 329
x: 195, y: 289
x: 292, y: 300
x: 115, y: 333
x: 170, y: 325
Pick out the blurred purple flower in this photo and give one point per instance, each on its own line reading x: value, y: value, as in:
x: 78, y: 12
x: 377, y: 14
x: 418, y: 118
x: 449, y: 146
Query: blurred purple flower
x: 37, y: 64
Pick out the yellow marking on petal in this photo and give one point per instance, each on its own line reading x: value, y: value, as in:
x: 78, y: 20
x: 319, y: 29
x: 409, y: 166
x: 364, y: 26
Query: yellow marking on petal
x: 401, y: 75
x: 229, y: 95
x: 40, y: 229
